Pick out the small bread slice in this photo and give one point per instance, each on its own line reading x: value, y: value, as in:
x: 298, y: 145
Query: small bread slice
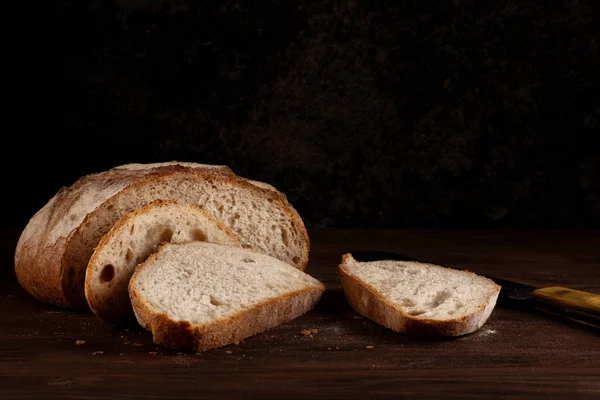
x: 198, y: 296
x: 132, y: 239
x: 418, y: 298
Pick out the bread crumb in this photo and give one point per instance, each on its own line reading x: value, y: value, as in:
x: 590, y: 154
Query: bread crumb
x: 329, y: 348
x: 337, y: 348
x: 97, y: 353
x: 315, y: 331
x: 228, y: 351
x: 372, y: 365
x: 238, y: 342
x: 126, y: 342
x: 305, y: 332
x: 80, y: 342
x: 121, y: 354
x: 153, y: 353
x: 369, y: 347
x: 486, y: 332
x: 138, y: 345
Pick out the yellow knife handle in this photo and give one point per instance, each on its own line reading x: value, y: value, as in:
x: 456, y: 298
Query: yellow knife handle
x: 569, y: 303
x: 569, y: 298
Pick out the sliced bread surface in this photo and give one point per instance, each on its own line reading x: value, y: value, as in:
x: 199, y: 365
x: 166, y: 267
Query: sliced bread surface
x: 418, y: 298
x: 132, y: 239
x: 198, y: 296
x: 55, y: 247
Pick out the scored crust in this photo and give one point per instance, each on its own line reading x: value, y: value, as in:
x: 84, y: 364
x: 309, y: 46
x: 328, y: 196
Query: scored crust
x: 367, y: 301
x: 50, y: 241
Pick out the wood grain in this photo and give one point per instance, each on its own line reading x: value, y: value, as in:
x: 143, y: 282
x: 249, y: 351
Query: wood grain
x: 517, y: 353
x: 569, y: 298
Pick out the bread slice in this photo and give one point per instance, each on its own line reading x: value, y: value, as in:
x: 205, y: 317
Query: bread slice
x: 418, y: 298
x: 132, y: 239
x: 198, y: 295
x: 55, y: 247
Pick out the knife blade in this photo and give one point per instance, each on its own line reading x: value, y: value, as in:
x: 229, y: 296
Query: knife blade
x: 574, y: 305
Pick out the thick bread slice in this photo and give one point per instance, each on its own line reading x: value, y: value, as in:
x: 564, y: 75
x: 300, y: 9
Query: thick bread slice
x: 418, y: 298
x: 54, y: 248
x: 132, y: 239
x: 199, y: 296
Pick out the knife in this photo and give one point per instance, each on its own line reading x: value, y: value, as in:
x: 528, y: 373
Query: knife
x: 574, y: 305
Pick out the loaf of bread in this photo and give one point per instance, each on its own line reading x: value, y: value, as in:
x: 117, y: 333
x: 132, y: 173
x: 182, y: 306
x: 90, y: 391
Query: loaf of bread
x: 55, y: 247
x: 418, y: 298
x: 132, y: 239
x: 198, y: 296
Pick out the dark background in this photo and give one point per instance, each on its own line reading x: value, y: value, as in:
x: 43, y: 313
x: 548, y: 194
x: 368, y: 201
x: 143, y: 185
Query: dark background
x: 452, y: 114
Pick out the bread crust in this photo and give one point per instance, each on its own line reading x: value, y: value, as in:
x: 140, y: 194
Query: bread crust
x: 247, y: 323
x: 367, y: 301
x: 46, y: 246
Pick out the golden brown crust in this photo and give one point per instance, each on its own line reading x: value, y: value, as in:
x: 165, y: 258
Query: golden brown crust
x: 46, y: 246
x: 257, y: 319
x: 40, y: 251
x: 41, y: 283
x: 367, y: 301
x: 39, y: 263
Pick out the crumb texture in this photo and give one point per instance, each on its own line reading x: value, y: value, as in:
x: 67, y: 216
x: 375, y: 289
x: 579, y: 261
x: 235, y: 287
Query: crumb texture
x: 201, y: 282
x: 133, y: 239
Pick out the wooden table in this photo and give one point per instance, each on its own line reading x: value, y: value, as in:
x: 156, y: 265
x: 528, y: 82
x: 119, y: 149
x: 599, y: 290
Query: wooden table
x: 516, y: 354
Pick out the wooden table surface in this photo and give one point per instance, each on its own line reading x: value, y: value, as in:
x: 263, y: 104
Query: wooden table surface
x: 516, y: 354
